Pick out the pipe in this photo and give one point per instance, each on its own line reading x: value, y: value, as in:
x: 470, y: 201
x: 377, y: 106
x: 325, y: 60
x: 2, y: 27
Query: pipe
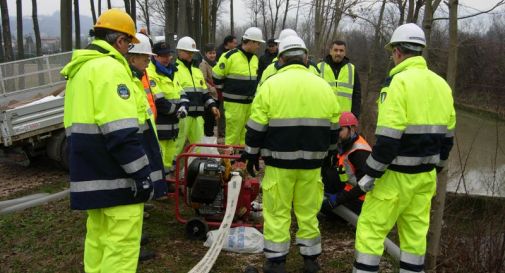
x: 11, y: 202
x: 36, y: 202
x: 352, y: 218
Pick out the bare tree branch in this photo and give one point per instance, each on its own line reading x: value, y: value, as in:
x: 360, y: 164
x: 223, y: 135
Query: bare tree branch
x: 498, y: 4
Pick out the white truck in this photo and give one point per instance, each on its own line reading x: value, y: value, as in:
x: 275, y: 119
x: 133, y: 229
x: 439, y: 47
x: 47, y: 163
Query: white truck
x: 31, y: 109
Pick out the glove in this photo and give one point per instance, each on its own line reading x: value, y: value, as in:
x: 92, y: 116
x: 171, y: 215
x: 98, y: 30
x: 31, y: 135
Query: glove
x: 366, y: 183
x: 330, y: 201
x: 143, y: 189
x: 253, y: 166
x: 182, y: 112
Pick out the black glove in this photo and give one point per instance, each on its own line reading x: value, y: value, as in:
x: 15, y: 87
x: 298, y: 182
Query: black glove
x: 253, y: 166
x: 331, y: 159
x: 143, y: 189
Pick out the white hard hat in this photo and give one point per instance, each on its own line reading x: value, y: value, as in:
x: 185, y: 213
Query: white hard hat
x: 187, y: 44
x: 291, y: 43
x: 410, y: 35
x: 285, y: 33
x: 253, y: 34
x: 143, y: 47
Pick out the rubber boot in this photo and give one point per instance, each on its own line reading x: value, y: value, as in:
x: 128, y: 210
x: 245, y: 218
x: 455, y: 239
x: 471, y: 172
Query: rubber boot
x: 146, y: 254
x: 310, y: 265
x: 274, y: 267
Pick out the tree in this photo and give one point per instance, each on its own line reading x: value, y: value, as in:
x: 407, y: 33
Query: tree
x: 171, y: 21
x: 214, y: 7
x: 19, y: 30
x: 144, y: 13
x: 66, y: 25
x: 133, y: 11
x: 77, y: 22
x: 126, y: 6
x: 6, y: 31
x: 231, y: 18
x: 2, y: 56
x: 99, y: 7
x: 93, y: 13
x: 109, y: 5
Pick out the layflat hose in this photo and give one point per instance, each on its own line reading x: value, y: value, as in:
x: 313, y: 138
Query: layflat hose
x: 12, y: 202
x: 207, y: 262
x: 36, y: 202
x: 352, y: 218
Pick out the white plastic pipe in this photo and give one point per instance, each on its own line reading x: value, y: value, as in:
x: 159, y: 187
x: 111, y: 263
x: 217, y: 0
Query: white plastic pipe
x: 352, y: 218
x: 11, y: 202
x: 36, y: 202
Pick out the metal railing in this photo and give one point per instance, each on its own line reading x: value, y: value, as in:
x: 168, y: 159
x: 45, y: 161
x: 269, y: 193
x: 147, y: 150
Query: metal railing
x: 19, y: 76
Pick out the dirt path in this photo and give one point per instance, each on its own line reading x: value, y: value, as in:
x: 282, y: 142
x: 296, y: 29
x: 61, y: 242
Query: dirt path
x: 15, y: 178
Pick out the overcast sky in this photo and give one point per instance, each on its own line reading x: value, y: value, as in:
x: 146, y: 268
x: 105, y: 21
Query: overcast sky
x: 48, y: 7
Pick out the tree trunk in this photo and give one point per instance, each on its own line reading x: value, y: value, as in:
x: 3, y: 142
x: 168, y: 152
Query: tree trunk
x: 66, y: 25
x: 93, y: 13
x: 297, y: 13
x: 99, y: 7
x: 427, y: 23
x: 198, y: 23
x: 6, y: 31
x: 2, y: 55
x: 144, y: 8
x: 38, y: 42
x: 190, y: 24
x: 205, y: 23
x: 127, y: 6
x: 77, y: 21
x: 318, y: 25
x: 285, y: 15
x: 109, y: 4
x: 231, y: 18
x: 213, y: 15
x: 410, y: 12
x: 133, y: 10
x: 171, y: 18
x: 19, y: 30
x: 438, y: 203
x: 373, y: 51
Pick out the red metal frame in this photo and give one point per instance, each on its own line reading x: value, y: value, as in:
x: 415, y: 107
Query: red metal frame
x: 189, y: 152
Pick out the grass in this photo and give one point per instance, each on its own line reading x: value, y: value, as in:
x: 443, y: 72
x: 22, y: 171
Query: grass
x: 50, y: 238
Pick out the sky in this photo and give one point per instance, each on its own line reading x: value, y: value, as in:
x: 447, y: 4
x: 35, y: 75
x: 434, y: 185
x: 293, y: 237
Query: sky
x: 48, y: 7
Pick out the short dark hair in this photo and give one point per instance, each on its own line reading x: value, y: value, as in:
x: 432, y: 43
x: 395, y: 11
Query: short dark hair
x: 293, y: 59
x: 209, y: 47
x: 338, y: 42
x: 406, y: 51
x: 228, y: 39
x: 107, y: 35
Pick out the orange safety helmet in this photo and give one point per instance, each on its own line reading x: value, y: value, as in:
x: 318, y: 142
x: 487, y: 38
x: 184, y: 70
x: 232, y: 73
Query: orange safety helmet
x: 117, y: 20
x: 348, y: 119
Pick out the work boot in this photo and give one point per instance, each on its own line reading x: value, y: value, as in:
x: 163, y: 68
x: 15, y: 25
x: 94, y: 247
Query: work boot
x: 273, y: 267
x: 250, y: 269
x: 310, y: 266
x: 144, y: 239
x: 146, y: 254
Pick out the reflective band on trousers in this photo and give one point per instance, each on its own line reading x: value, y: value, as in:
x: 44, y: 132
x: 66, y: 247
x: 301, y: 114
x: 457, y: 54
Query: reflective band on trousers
x: 241, y: 77
x: 411, y: 129
x: 196, y: 108
x: 167, y: 126
x: 274, y: 250
x: 237, y: 97
x: 416, y: 160
x: 99, y: 185
x: 93, y: 129
x: 256, y: 126
x: 136, y: 165
x: 291, y: 122
x: 367, y: 259
x: 307, y: 155
x: 309, y: 247
x: 411, y: 258
x: 252, y: 150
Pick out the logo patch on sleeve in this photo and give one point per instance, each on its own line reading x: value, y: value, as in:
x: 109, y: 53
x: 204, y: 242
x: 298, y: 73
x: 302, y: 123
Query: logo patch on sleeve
x: 221, y: 65
x: 152, y: 83
x: 123, y: 91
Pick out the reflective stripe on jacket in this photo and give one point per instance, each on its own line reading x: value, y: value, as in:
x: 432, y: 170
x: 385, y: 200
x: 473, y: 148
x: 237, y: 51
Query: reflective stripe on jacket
x: 235, y: 74
x: 343, y: 85
x: 294, y: 119
x: 416, y: 121
x: 104, y: 129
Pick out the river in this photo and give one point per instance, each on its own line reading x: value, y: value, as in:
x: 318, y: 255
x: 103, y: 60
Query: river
x: 477, y: 160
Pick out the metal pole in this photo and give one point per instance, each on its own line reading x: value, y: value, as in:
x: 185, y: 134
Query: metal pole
x: 2, y: 82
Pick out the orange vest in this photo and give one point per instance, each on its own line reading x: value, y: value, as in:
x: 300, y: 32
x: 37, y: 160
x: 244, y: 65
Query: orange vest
x: 150, y: 96
x: 347, y: 171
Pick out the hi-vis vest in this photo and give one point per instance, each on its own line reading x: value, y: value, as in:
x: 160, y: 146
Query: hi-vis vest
x: 343, y: 86
x: 149, y: 94
x: 347, y: 171
x: 194, y: 86
x: 236, y: 76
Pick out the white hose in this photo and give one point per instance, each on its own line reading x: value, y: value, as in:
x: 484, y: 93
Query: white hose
x: 352, y: 218
x: 36, y: 202
x: 11, y: 202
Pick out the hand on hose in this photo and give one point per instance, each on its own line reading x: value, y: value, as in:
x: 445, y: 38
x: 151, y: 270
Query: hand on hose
x: 215, y: 112
x: 366, y: 183
x: 253, y: 166
x: 143, y: 189
x: 182, y: 112
x: 330, y: 201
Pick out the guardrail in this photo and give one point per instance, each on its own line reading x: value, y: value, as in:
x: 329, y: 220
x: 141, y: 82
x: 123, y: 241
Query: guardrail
x: 19, y: 76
